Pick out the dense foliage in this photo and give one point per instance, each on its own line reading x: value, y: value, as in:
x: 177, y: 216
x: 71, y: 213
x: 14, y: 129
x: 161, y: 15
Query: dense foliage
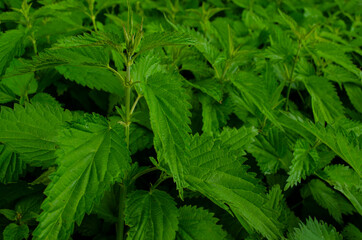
x: 180, y: 119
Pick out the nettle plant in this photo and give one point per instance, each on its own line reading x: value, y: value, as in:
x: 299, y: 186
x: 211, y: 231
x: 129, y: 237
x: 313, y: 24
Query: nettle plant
x: 183, y: 120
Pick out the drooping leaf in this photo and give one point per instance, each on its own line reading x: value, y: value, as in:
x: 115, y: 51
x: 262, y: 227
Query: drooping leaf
x: 198, y: 224
x: 315, y: 230
x: 16, y: 232
x: 351, y: 232
x: 216, y: 170
x: 271, y: 151
x: 165, y: 39
x: 345, y: 180
x: 344, y: 144
x: 354, y: 93
x: 93, y: 77
x: 21, y: 85
x: 277, y: 202
x: 325, y: 102
x: 151, y: 215
x: 336, y: 53
x: 6, y: 95
x: 11, y: 45
x: 211, y: 87
x: 304, y: 163
x: 169, y: 114
x: 11, y: 166
x: 9, y: 214
x: 31, y: 131
x: 213, y: 117
x: 253, y: 89
x: 329, y: 199
x: 91, y: 157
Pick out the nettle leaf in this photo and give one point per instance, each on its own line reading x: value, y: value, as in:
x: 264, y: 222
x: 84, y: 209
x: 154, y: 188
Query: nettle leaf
x: 170, y: 119
x: 83, y: 50
x: 325, y: 102
x: 11, y: 166
x: 354, y: 93
x: 93, y: 77
x: 11, y: 45
x: 315, y: 230
x: 336, y: 53
x: 271, y: 151
x: 345, y: 180
x: 151, y: 215
x: 209, y: 86
x: 6, y: 95
x: 16, y: 232
x: 254, y: 90
x: 340, y: 75
x: 304, y: 163
x: 145, y: 67
x: 344, y: 144
x: 277, y: 202
x: 335, y: 203
x: 21, y: 85
x: 213, y: 117
x: 31, y: 131
x: 216, y: 170
x: 351, y: 232
x: 91, y: 157
x: 165, y: 39
x: 198, y: 224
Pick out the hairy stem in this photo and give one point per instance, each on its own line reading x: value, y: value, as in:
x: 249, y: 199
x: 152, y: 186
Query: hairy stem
x: 121, y: 208
x: 123, y: 187
x: 290, y: 79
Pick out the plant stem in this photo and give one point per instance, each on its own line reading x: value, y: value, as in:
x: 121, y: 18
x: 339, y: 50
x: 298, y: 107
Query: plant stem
x: 121, y: 208
x: 290, y: 79
x: 123, y: 187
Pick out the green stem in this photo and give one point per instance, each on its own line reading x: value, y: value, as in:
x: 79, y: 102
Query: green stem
x: 122, y: 206
x: 290, y: 79
x: 140, y: 174
x: 123, y: 187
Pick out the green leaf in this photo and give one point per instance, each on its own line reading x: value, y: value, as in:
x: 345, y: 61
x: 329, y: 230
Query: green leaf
x: 11, y: 45
x: 151, y: 215
x: 93, y: 77
x: 9, y: 214
x: 213, y: 117
x: 337, y: 139
x: 6, y: 95
x: 170, y: 118
x: 315, y: 230
x: 11, y: 166
x: 21, y: 85
x: 145, y: 67
x: 216, y: 170
x: 354, y: 93
x: 304, y: 163
x: 16, y: 232
x: 345, y: 180
x: 165, y: 39
x: 253, y: 89
x: 209, y: 86
x: 271, y: 151
x: 277, y: 202
x: 198, y: 224
x: 335, y: 203
x: 351, y: 232
x: 91, y: 157
x: 31, y: 131
x: 29, y: 207
x: 325, y: 102
x: 336, y: 53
